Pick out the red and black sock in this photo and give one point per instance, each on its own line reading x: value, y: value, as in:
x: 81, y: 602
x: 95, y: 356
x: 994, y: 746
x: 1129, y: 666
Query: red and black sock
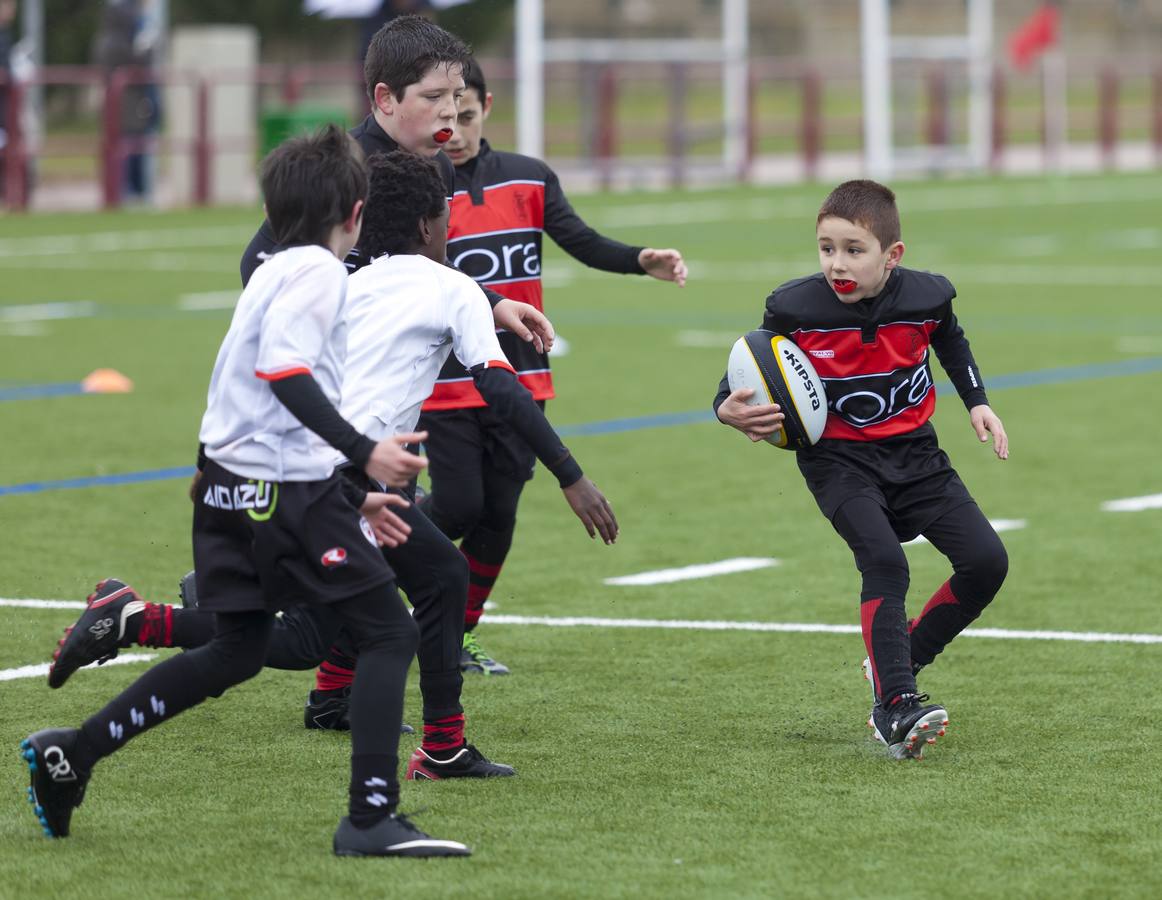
x: 155, y: 627
x: 443, y: 736
x: 486, y: 550
x: 944, y: 616
x: 336, y: 672
x: 885, y: 634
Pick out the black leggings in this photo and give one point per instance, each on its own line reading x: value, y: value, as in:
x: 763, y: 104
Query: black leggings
x: 380, y: 627
x: 979, y: 563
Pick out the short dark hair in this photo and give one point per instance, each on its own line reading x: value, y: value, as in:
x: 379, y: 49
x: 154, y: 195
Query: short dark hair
x: 474, y: 78
x: 868, y: 204
x: 404, y: 189
x: 405, y: 49
x: 311, y: 183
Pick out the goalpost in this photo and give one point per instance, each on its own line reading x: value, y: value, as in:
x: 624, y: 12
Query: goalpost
x: 881, y: 49
x: 533, y: 51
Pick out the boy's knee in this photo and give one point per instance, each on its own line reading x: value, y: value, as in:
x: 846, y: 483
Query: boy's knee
x: 456, y: 512
x: 987, y: 568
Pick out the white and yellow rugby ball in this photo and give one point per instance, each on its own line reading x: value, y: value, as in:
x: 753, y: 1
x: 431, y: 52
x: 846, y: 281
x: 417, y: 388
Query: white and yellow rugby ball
x: 780, y: 373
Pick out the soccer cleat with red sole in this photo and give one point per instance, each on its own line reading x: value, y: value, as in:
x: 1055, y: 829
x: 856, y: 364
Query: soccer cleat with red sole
x: 901, y: 726
x: 467, y: 762
x: 98, y: 633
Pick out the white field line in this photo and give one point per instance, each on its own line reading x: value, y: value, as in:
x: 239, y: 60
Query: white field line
x: 998, y: 525
x: 29, y: 603
x: 1134, y: 504
x: 1089, y: 637
x: 208, y: 300
x: 122, y: 241
x: 44, y: 312
x: 938, y: 201
x: 703, y: 570
x: 40, y: 670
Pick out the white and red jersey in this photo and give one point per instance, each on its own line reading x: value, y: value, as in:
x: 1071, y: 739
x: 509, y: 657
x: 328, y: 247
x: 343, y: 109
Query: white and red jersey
x: 874, y: 355
x: 405, y: 315
x: 288, y: 321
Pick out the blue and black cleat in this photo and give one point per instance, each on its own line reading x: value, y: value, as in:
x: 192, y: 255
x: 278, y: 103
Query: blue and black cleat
x: 58, y: 786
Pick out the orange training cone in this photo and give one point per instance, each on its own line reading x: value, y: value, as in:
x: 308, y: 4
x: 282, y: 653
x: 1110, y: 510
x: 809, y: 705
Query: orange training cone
x: 106, y: 381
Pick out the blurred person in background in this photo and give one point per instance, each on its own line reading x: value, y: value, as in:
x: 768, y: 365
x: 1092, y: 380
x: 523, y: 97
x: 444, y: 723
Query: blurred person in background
x: 128, y: 38
x: 7, y: 17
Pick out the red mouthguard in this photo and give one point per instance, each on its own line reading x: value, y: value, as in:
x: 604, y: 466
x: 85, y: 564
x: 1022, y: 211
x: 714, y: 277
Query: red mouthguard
x: 442, y: 136
x: 843, y: 286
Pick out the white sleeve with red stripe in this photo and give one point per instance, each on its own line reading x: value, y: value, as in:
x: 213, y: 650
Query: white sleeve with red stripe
x: 298, y: 322
x: 473, y: 331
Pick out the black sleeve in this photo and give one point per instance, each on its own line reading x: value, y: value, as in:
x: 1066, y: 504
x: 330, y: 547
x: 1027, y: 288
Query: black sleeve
x: 514, y: 405
x: 723, y: 393
x: 302, y: 395
x: 201, y: 463
x: 261, y: 246
x: 572, y: 235
x: 955, y: 356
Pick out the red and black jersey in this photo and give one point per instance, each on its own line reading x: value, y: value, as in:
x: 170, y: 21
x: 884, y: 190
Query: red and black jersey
x: 502, y: 206
x: 873, y: 355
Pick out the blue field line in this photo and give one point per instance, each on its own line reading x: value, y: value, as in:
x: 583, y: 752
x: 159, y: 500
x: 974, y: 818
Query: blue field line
x: 37, y: 391
x: 36, y: 487
x: 1061, y: 375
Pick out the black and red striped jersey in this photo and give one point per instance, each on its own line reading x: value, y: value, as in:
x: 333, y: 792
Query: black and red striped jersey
x: 503, y: 205
x: 874, y: 355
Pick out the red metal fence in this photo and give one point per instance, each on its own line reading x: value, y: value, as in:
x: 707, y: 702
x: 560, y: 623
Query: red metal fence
x: 803, y: 127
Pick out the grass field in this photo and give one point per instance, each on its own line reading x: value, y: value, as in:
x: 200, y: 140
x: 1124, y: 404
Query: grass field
x: 652, y: 762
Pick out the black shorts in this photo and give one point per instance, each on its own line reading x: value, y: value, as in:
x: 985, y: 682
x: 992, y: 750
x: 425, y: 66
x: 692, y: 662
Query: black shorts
x: 909, y: 476
x: 455, y: 435
x: 263, y: 546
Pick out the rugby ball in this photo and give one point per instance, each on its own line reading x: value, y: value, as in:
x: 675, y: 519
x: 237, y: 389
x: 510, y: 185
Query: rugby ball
x: 780, y: 373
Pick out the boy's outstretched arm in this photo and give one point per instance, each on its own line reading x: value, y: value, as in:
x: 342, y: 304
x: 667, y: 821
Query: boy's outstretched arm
x: 756, y: 422
x: 514, y: 405
x: 985, y: 422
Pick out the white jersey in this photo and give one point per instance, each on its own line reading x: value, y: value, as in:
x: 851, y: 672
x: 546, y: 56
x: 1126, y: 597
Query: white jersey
x: 288, y: 321
x: 405, y: 314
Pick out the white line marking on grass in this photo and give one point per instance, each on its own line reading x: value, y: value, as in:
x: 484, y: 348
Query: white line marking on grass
x: 1089, y: 637
x: 45, y: 312
x: 208, y: 300
x: 686, y: 573
x: 42, y: 604
x: 120, y: 241
x: 998, y: 525
x: 1134, y: 504
x: 40, y: 670
x: 713, y: 340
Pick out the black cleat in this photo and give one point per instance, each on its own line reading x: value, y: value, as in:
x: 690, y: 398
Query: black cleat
x: 475, y: 659
x: 394, y: 836
x: 188, y: 591
x: 907, y: 727
x: 328, y: 710
x: 57, y: 787
x: 467, y: 763
x: 99, y: 632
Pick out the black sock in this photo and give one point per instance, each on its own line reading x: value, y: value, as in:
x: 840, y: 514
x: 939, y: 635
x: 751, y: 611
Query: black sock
x: 374, y: 790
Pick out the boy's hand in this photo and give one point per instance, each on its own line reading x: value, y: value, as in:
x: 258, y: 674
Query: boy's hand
x: 391, y: 464
x: 665, y: 265
x: 526, y: 322
x: 985, y: 422
x: 390, y: 530
x: 756, y: 422
x: 592, y: 509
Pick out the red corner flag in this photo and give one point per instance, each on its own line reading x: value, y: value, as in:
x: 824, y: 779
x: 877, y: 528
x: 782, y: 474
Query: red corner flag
x: 1039, y: 33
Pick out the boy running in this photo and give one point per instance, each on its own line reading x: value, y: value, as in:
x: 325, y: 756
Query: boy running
x: 272, y: 519
x: 405, y: 313
x: 878, y: 473
x: 503, y: 205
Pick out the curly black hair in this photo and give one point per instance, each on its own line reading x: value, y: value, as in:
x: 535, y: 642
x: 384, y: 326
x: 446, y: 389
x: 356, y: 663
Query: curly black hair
x: 404, y: 189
